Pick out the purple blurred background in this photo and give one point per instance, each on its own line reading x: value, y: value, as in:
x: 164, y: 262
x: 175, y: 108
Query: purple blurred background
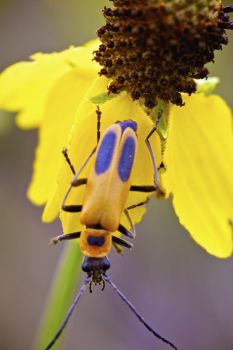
x: 185, y: 293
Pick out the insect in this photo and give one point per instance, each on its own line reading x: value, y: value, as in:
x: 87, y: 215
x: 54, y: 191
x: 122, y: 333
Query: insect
x: 107, y: 189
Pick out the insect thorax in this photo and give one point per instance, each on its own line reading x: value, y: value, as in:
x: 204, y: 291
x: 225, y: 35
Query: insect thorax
x: 95, y: 243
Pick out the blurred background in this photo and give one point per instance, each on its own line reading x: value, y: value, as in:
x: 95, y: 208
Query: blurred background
x: 185, y: 293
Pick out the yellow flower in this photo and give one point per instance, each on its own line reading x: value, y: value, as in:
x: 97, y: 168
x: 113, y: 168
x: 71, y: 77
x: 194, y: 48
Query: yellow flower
x: 55, y: 93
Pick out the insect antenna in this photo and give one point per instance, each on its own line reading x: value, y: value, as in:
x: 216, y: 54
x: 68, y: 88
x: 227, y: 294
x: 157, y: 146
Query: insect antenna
x: 69, y: 313
x: 136, y: 313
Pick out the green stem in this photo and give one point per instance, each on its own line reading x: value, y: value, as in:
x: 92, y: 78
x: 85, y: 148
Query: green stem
x: 60, y: 296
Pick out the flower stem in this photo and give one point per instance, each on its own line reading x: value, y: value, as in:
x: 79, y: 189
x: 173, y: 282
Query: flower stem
x: 60, y: 296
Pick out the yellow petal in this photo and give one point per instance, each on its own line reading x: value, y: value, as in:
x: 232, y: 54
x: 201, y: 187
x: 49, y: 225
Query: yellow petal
x: 82, y: 57
x: 199, y: 161
x: 83, y: 139
x: 59, y: 114
x: 24, y: 86
x: 64, y: 177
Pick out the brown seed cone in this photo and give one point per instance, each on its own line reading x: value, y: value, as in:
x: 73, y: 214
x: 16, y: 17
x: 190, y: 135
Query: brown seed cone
x: 154, y: 49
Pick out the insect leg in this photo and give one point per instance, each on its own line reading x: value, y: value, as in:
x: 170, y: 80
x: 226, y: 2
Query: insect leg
x: 75, y: 179
x: 65, y: 150
x: 78, y: 182
x: 103, y: 285
x: 118, y: 249
x: 228, y: 9
x: 156, y: 177
x: 122, y: 229
x: 144, y: 189
x: 90, y: 286
x: 65, y: 154
x: 138, y: 204
x: 121, y: 242
x: 72, y: 208
x: 75, y: 183
x: 132, y: 227
x: 64, y: 237
x: 98, y: 114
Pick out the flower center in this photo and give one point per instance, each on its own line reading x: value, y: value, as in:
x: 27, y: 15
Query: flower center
x: 154, y: 49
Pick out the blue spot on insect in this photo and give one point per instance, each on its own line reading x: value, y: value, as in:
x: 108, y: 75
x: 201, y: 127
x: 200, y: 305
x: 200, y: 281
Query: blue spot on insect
x: 128, y: 124
x: 105, y: 153
x: 126, y: 159
x: 97, y: 241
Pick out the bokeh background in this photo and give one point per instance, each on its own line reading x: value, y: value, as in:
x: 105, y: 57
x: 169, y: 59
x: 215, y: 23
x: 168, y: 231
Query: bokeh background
x: 185, y: 293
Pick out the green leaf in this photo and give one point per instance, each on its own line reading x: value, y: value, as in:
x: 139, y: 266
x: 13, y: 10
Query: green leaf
x: 207, y: 86
x: 105, y: 97
x: 62, y: 291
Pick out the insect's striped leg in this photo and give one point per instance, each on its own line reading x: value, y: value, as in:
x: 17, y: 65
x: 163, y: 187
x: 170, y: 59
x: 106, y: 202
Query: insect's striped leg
x: 138, y: 204
x: 121, y: 242
x: 122, y: 229
x: 98, y: 114
x: 65, y: 237
x: 228, y: 9
x: 118, y: 249
x: 72, y: 208
x: 65, y: 150
x: 75, y: 179
x: 65, y: 154
x: 132, y: 227
x: 144, y: 189
x: 156, y: 176
x: 76, y: 183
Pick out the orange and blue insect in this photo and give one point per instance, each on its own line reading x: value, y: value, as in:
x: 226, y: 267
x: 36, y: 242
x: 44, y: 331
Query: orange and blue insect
x: 107, y: 189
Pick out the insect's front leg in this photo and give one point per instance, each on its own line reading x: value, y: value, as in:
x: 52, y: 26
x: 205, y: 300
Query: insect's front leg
x: 147, y: 140
x: 65, y: 237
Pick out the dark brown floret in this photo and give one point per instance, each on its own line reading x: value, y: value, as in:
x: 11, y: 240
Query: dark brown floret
x: 154, y: 49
